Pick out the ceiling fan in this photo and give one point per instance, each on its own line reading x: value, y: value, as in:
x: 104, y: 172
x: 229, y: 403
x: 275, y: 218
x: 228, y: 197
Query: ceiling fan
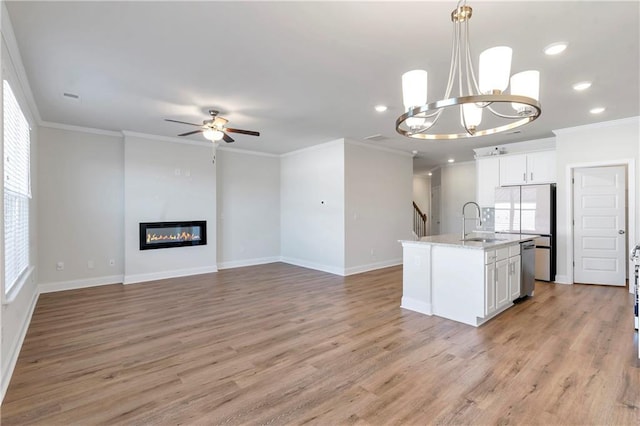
x: 214, y: 129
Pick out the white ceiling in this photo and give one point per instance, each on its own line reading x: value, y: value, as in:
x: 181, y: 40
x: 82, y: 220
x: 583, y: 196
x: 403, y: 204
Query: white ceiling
x: 304, y: 73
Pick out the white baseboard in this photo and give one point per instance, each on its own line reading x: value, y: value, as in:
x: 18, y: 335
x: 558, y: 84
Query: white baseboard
x: 139, y: 278
x: 76, y: 284
x: 248, y: 262
x: 311, y: 265
x: 14, y: 350
x: 563, y: 279
x: 416, y: 306
x: 372, y: 266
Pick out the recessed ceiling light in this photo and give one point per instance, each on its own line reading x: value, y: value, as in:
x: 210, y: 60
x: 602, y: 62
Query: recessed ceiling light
x: 414, y: 152
x: 381, y: 108
x: 430, y: 174
x: 597, y: 110
x: 555, y: 48
x: 583, y: 85
x: 451, y: 160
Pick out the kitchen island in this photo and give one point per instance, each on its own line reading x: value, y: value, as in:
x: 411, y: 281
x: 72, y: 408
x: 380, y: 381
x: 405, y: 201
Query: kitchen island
x: 468, y: 280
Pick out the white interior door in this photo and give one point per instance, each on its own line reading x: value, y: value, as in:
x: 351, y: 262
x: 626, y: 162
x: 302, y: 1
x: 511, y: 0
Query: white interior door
x: 599, y: 233
x: 435, y: 210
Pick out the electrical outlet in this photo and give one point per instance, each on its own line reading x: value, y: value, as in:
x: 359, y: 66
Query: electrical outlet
x: 60, y: 266
x: 112, y: 262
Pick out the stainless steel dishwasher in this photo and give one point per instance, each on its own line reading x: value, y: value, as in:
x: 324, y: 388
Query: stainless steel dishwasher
x: 528, y: 268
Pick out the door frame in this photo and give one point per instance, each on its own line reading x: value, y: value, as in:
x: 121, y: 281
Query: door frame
x: 631, y: 208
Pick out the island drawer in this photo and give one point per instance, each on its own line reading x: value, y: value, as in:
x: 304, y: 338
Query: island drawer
x: 502, y: 253
x: 489, y: 257
x: 514, y: 250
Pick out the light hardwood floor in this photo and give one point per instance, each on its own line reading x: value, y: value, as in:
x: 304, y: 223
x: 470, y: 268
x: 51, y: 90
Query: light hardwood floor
x: 278, y: 344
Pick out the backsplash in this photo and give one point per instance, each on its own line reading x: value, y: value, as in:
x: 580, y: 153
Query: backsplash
x: 488, y: 219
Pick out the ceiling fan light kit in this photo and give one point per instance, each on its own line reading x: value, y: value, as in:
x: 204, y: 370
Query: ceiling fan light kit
x: 474, y: 95
x: 213, y: 134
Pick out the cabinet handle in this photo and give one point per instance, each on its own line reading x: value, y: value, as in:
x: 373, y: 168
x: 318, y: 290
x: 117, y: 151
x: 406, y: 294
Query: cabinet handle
x: 524, y: 177
x: 531, y: 175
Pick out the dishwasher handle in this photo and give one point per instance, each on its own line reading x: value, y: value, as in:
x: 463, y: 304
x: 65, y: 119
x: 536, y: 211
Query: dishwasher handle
x: 527, y: 245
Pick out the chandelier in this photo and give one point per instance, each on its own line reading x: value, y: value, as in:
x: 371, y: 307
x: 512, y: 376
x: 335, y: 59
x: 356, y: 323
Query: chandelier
x: 474, y: 96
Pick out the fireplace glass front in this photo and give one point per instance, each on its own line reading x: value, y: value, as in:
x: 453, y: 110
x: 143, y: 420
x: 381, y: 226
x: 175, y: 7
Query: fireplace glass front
x: 155, y: 235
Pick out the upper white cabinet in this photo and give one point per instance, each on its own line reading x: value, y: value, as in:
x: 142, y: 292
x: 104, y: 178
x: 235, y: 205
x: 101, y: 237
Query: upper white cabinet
x: 528, y: 169
x: 541, y: 167
x: 513, y: 170
x: 488, y: 176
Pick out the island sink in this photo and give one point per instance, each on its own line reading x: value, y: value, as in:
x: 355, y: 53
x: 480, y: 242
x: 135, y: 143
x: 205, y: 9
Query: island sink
x: 484, y: 239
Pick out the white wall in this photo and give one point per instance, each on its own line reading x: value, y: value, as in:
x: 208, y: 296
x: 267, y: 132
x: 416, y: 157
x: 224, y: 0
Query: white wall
x: 18, y: 305
x: 378, y: 209
x: 248, y: 208
x: 609, y: 142
x: 312, y: 207
x: 16, y: 312
x: 422, y: 196
x: 458, y: 185
x: 421, y: 192
x: 167, y: 181
x: 80, y: 208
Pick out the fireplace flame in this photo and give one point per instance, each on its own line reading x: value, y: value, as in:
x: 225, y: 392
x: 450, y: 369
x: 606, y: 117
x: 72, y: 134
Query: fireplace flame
x: 184, y: 236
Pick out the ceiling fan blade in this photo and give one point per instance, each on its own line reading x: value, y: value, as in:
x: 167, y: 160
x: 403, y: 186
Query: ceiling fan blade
x: 227, y: 138
x: 244, y: 132
x: 182, y: 122
x: 191, y: 133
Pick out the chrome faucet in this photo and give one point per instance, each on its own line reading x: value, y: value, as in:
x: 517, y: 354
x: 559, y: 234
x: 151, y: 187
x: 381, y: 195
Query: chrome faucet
x: 464, y: 219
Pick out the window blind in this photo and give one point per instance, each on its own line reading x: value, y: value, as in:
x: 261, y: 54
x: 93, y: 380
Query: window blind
x: 17, y: 188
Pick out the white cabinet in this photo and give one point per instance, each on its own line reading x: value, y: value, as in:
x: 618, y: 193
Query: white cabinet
x: 490, y: 288
x: 514, y: 277
x: 513, y: 170
x: 488, y: 179
x: 502, y: 278
x: 528, y: 169
x: 541, y: 167
x: 502, y: 283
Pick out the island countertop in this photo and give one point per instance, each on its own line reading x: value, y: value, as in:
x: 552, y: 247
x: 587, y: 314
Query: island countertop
x: 483, y: 240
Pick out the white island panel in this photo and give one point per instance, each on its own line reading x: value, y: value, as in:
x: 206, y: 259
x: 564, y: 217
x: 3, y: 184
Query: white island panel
x: 416, y: 272
x: 459, y: 273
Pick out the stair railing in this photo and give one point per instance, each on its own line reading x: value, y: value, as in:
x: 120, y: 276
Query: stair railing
x: 419, y: 221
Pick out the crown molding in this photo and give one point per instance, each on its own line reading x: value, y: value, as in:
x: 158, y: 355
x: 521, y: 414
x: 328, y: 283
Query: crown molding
x: 128, y: 134
x: 543, y: 144
x: 247, y: 151
x: 378, y: 148
x: 81, y: 129
x: 458, y: 163
x: 599, y: 125
x: 311, y: 148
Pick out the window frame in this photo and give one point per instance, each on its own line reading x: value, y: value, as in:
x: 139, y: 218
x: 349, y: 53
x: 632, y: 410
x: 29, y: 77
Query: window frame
x: 9, y: 291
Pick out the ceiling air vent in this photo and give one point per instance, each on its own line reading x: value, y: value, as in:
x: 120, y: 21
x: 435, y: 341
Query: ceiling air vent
x: 376, y: 138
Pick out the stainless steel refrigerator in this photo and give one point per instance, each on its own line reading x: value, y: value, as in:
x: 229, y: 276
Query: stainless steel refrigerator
x: 530, y: 209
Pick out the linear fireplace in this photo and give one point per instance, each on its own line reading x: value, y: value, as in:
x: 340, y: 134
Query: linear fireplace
x: 155, y: 235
